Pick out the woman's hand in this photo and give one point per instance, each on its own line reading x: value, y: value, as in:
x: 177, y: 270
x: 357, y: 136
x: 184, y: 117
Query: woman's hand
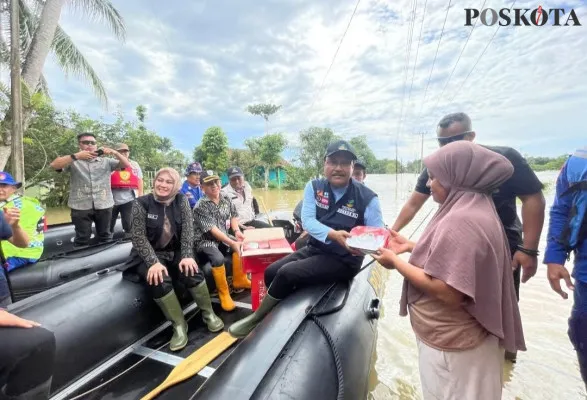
x: 399, y: 244
x: 155, y: 274
x: 11, y: 320
x: 387, y: 258
x: 188, y: 266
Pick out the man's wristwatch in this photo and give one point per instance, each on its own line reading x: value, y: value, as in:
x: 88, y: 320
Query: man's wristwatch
x: 73, y: 157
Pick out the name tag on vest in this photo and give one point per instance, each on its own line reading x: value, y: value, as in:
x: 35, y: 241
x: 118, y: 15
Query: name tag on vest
x: 348, y: 211
x: 152, y: 216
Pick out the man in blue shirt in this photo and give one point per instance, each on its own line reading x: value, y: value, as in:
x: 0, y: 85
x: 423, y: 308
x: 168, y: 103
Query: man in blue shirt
x: 332, y: 207
x: 191, y: 187
x: 567, y: 232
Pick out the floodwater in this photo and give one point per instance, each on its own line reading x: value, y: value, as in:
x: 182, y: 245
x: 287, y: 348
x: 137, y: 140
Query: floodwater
x: 547, y: 370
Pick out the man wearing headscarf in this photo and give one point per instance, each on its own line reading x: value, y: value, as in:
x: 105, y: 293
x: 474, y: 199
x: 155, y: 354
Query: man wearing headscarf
x: 567, y: 233
x: 523, y: 184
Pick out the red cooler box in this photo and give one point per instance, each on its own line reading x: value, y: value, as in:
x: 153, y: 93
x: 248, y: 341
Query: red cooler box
x: 261, y: 248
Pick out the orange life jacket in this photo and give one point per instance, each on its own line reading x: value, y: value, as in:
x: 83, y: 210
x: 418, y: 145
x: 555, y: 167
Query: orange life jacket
x: 124, y: 179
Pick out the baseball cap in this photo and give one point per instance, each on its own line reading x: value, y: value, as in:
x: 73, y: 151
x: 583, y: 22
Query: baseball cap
x: 234, y: 171
x: 194, y: 167
x: 340, y: 145
x: 360, y: 164
x: 208, y: 176
x: 7, y: 179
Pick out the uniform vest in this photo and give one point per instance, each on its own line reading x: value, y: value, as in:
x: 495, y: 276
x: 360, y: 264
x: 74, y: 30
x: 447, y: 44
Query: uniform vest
x: 156, y: 216
x: 575, y: 230
x: 32, y: 221
x: 124, y: 178
x: 345, y: 214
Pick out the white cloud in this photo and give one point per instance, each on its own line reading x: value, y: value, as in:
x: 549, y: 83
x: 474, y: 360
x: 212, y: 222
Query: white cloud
x: 205, y: 62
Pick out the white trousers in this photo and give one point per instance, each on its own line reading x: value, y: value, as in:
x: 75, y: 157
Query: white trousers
x: 475, y: 374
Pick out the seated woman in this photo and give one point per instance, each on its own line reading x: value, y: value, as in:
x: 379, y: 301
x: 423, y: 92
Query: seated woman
x: 162, y: 232
x: 458, y: 285
x: 27, y: 351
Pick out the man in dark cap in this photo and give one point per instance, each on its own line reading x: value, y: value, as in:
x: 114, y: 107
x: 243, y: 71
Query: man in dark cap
x: 191, y: 187
x: 332, y: 206
x: 360, y: 171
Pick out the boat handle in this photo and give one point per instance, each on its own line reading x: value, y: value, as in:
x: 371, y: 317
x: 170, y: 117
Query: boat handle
x: 75, y: 274
x: 373, y: 312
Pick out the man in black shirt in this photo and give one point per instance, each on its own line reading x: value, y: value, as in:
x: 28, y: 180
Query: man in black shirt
x: 523, y: 184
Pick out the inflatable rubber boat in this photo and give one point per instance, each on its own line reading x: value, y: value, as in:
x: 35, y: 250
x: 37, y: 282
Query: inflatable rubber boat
x: 61, y: 262
x: 112, y: 341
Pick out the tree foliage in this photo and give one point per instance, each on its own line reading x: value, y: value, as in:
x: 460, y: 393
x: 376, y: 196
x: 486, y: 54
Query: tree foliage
x: 313, y: 143
x: 267, y: 150
x: 213, y: 151
x: 265, y: 111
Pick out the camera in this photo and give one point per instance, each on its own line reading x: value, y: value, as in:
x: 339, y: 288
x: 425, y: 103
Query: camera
x: 100, y: 152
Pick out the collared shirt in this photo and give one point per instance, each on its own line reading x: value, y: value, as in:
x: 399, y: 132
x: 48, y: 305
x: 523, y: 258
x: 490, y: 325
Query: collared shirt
x: 90, y: 183
x: 123, y: 196
x: 373, y: 214
x: 193, y: 193
x: 208, y: 215
x: 242, y: 201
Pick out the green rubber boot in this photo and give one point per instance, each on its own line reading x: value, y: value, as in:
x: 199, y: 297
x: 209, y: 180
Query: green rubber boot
x: 173, y: 312
x: 201, y: 295
x: 243, y: 327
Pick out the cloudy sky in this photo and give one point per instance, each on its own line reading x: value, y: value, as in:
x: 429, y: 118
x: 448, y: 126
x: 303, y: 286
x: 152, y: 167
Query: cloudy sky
x: 196, y: 64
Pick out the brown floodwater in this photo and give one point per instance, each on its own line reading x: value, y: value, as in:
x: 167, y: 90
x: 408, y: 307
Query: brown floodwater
x: 547, y: 370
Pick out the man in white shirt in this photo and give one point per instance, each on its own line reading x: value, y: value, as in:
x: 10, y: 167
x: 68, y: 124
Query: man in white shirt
x: 241, y: 195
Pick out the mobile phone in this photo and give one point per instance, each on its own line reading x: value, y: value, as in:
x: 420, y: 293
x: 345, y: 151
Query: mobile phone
x: 100, y: 152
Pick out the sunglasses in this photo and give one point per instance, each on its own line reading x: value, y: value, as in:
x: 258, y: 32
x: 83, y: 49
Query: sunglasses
x: 443, y: 141
x: 88, y: 142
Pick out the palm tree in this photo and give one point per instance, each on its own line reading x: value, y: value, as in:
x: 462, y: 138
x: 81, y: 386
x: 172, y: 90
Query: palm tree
x: 40, y: 33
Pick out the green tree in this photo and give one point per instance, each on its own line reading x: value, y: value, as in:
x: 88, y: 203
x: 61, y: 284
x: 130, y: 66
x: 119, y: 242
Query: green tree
x: 40, y: 34
x: 268, y: 151
x: 313, y: 142
x: 364, y: 152
x: 265, y: 111
x: 214, y: 149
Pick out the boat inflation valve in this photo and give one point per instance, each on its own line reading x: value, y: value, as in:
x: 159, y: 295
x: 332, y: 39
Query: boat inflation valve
x: 373, y: 312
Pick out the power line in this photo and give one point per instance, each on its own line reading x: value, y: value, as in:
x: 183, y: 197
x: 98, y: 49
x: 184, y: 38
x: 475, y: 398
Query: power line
x: 478, y: 59
x: 335, y: 54
x: 458, y: 59
x: 417, y: 51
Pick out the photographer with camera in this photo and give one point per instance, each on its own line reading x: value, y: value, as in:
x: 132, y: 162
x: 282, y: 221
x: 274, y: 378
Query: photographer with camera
x: 90, y: 194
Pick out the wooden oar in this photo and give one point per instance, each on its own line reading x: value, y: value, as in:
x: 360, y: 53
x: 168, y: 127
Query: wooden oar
x: 265, y: 209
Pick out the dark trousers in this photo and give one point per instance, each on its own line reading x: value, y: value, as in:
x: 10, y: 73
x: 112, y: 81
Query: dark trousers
x: 26, y: 358
x: 257, y: 224
x: 82, y: 220
x: 305, y: 267
x: 125, y: 211
x: 578, y: 326
x: 160, y: 290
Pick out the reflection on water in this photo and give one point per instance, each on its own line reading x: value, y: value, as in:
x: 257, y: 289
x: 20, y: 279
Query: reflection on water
x: 548, y: 370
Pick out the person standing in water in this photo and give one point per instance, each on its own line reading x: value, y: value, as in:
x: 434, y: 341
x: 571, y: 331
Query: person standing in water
x: 458, y: 284
x: 567, y: 233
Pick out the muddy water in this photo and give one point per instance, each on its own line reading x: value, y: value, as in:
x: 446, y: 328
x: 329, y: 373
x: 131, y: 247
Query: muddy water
x: 548, y: 370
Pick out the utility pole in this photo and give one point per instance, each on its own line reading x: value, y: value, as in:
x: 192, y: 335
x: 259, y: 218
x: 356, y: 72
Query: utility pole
x: 421, y: 150
x: 17, y: 153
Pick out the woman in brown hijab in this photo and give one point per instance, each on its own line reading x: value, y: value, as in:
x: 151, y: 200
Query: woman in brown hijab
x: 458, y: 284
x: 162, y: 232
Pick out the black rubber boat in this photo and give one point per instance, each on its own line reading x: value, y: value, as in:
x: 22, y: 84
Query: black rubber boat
x: 111, y: 342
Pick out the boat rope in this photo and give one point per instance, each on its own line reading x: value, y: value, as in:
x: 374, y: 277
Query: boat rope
x: 337, y: 361
x: 79, y: 396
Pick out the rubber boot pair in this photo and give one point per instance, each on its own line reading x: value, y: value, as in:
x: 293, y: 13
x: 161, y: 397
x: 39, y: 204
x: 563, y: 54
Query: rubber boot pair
x: 243, y: 327
x: 40, y: 392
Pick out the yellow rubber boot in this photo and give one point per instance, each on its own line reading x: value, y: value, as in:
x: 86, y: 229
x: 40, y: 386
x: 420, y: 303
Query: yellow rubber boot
x: 239, y: 278
x: 219, y: 274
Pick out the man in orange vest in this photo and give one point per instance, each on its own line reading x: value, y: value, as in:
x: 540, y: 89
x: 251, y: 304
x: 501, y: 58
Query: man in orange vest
x: 127, y: 185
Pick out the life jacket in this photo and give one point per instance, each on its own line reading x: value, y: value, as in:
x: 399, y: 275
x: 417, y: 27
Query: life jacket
x: 345, y: 214
x: 575, y: 229
x: 124, y: 178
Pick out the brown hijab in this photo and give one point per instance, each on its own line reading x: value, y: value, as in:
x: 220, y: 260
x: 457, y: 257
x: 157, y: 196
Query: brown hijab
x: 176, y: 185
x: 465, y: 243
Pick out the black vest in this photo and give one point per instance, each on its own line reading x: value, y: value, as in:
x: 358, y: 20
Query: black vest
x: 345, y: 214
x: 155, y: 218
